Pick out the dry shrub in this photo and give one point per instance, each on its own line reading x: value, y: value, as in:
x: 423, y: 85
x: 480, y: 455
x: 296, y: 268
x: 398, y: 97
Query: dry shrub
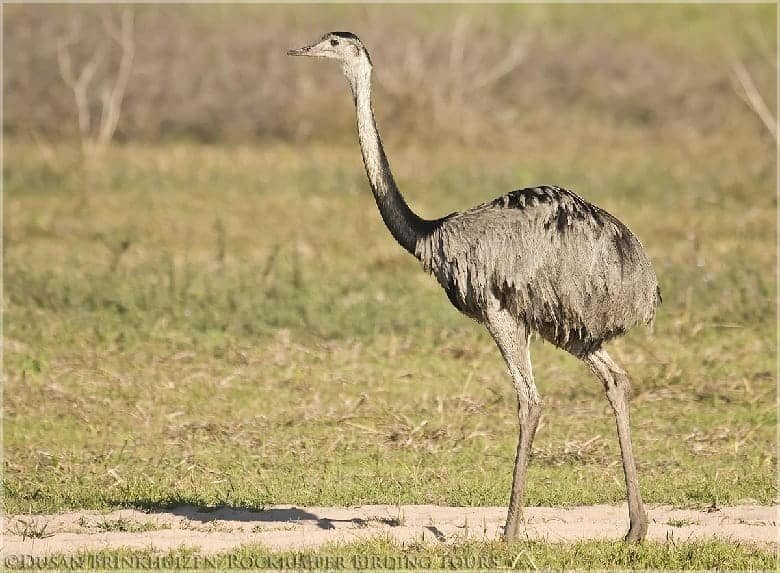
x: 464, y: 72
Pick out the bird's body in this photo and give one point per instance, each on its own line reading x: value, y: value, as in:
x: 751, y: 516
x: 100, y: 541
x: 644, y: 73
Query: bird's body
x: 568, y: 269
x: 540, y: 259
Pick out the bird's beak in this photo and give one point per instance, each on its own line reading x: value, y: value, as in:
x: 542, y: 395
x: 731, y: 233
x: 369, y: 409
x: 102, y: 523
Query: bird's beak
x: 305, y: 51
x: 317, y: 50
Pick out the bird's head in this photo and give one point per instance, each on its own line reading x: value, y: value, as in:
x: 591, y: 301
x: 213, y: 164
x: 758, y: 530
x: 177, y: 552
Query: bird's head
x: 344, y: 47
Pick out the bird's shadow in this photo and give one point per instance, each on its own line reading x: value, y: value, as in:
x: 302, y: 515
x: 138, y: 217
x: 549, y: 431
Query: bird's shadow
x: 250, y: 514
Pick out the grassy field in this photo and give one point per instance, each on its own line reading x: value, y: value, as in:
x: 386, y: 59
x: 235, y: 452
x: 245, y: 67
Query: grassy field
x: 232, y: 325
x: 381, y: 553
x: 211, y: 325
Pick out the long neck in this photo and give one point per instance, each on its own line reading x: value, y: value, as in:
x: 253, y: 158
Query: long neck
x: 405, y: 226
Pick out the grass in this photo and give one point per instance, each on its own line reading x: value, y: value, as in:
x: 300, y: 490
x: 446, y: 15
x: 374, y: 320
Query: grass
x: 30, y: 528
x: 680, y: 522
x: 233, y: 326
x: 126, y: 525
x: 382, y: 553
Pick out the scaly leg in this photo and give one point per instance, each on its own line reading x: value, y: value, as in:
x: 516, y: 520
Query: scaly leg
x: 512, y: 338
x: 616, y: 385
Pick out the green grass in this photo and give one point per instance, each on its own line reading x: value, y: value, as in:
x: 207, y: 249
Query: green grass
x: 381, y: 553
x: 30, y: 528
x: 125, y: 525
x: 233, y: 326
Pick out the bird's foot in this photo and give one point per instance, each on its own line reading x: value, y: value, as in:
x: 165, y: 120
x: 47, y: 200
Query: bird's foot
x: 511, y: 532
x: 637, y: 530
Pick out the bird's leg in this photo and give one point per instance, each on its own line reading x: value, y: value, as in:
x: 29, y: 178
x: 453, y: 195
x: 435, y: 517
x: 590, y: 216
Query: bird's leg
x: 512, y: 338
x: 529, y: 414
x: 616, y: 385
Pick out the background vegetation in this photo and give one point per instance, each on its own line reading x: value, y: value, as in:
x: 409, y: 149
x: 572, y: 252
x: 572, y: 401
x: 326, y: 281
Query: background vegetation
x: 212, y: 312
x: 482, y: 73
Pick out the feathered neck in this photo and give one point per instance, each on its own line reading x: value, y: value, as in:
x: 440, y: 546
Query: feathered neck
x: 406, y: 227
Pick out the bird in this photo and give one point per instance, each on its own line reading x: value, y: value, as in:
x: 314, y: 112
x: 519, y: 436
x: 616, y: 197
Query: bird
x: 538, y: 260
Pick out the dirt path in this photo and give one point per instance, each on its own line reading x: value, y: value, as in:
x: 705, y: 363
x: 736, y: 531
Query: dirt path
x: 289, y: 527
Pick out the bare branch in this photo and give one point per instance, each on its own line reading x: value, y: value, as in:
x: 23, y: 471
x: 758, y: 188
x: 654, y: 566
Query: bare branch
x: 457, y: 47
x: 94, y: 139
x: 506, y: 66
x: 110, y: 27
x: 79, y: 84
x: 754, y: 99
x: 457, y: 43
x: 762, y: 42
x: 113, y: 102
x: 64, y: 63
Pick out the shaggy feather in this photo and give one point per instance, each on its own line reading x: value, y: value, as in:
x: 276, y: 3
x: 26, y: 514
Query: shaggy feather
x: 568, y: 269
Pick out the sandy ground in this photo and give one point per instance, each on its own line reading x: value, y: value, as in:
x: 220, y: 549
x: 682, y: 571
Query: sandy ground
x: 289, y: 527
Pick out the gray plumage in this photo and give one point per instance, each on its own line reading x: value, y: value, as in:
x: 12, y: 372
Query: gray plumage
x: 571, y: 271
x: 540, y: 259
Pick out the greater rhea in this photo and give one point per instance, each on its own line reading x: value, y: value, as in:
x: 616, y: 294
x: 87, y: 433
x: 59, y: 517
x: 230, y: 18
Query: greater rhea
x: 540, y: 259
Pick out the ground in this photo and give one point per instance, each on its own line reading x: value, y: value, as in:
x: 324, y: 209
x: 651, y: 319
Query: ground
x: 289, y: 528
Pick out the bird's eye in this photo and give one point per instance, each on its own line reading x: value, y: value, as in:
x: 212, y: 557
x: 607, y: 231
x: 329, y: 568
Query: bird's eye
x: 334, y: 42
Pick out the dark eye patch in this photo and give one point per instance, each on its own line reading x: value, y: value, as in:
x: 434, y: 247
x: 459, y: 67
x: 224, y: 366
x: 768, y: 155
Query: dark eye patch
x: 334, y: 42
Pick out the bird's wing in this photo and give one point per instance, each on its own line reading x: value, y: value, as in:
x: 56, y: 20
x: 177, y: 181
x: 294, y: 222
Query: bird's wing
x: 544, y: 250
